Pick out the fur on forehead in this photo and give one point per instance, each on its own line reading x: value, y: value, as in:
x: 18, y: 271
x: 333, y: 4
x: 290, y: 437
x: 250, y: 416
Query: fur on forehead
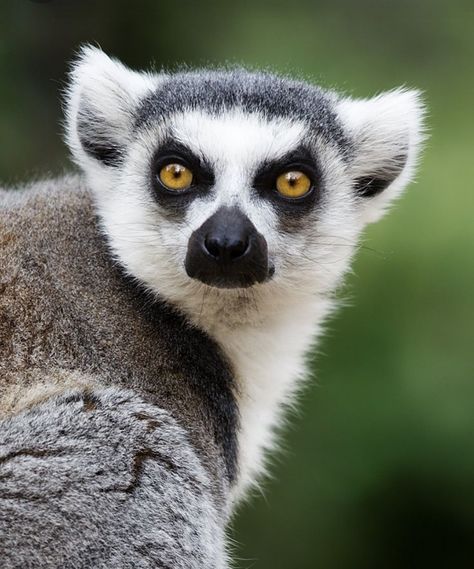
x: 236, y: 134
x: 266, y: 94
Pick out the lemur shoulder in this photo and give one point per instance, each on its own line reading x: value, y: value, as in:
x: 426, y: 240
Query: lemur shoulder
x: 157, y: 308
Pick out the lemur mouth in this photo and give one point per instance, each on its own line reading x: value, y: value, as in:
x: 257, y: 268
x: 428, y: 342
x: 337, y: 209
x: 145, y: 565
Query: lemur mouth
x: 227, y: 251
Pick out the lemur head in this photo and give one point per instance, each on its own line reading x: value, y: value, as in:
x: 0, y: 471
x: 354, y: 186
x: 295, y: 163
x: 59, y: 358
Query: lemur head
x: 219, y: 183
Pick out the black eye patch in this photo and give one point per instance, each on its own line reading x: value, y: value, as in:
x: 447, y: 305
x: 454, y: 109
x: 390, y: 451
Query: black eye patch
x: 291, y: 211
x: 175, y: 203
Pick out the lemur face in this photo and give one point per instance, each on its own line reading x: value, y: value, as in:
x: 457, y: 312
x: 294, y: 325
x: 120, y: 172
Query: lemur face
x: 225, y: 181
x: 216, y: 177
x: 237, y: 195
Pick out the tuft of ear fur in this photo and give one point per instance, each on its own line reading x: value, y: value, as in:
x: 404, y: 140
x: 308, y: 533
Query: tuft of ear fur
x: 387, y: 132
x: 100, y: 101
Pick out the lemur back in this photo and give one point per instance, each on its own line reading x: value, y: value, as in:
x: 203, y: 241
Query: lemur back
x: 82, y: 348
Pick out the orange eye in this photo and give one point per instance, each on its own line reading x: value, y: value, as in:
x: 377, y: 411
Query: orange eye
x: 293, y: 184
x: 176, y: 177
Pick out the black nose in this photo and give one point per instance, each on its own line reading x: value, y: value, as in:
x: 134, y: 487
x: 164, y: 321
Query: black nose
x: 227, y: 251
x: 224, y: 248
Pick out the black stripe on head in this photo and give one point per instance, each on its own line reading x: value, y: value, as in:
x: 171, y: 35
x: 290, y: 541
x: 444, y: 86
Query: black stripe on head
x: 219, y: 91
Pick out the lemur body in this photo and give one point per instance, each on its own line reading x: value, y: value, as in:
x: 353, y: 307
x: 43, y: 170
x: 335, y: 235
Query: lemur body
x: 145, y: 483
x: 231, y: 203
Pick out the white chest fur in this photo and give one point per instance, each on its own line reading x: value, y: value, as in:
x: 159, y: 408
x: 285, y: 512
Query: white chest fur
x: 269, y: 362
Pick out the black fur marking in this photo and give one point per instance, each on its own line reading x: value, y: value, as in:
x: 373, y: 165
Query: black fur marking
x: 202, y: 362
x: 271, y: 95
x: 98, y: 146
x: 175, y: 203
x: 291, y: 212
x: 105, y: 153
x: 369, y: 186
x: 91, y: 401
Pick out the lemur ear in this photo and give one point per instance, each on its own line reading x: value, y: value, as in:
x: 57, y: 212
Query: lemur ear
x: 387, y: 132
x: 100, y: 101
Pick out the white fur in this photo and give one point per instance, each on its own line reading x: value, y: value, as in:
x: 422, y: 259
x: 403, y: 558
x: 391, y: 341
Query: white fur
x: 382, y: 127
x: 265, y: 330
x: 112, y: 90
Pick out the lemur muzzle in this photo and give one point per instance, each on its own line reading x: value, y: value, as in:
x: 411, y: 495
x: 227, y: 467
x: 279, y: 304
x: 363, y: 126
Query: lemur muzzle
x: 227, y: 251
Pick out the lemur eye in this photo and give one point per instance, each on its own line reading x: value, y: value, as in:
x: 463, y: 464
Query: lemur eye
x: 293, y: 184
x: 176, y: 177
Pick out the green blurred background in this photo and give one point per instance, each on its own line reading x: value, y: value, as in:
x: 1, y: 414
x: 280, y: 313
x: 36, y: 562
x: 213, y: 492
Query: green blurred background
x: 378, y: 468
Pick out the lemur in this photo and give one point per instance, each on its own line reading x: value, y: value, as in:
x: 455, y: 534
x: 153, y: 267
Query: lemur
x: 157, y: 307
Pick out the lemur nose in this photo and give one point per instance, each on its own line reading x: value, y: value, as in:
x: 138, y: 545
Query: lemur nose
x: 227, y: 251
x: 224, y: 248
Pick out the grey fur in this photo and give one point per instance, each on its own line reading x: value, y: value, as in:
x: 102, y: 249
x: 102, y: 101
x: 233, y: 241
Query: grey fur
x: 104, y: 481
x: 269, y: 94
x: 69, y: 317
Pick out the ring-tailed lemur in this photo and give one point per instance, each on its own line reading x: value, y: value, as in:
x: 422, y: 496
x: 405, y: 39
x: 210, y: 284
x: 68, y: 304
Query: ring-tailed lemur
x: 147, y: 355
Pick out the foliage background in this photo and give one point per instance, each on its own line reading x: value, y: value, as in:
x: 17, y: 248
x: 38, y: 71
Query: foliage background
x: 378, y: 470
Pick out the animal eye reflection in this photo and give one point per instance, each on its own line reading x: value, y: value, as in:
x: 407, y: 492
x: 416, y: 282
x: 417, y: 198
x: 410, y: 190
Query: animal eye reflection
x: 293, y: 184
